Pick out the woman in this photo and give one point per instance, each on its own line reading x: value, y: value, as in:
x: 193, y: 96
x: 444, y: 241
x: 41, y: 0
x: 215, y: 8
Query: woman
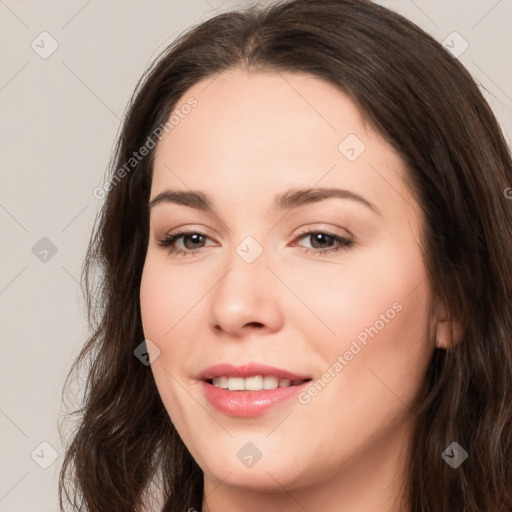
x: 306, y: 258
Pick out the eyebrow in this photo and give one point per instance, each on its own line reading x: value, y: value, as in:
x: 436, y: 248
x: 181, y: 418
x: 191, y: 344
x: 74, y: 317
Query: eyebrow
x: 285, y: 201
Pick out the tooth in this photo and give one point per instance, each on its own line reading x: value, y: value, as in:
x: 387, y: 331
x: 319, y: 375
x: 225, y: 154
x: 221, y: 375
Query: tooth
x: 220, y: 382
x: 236, y: 383
x: 270, y: 382
x: 254, y: 383
x: 223, y: 382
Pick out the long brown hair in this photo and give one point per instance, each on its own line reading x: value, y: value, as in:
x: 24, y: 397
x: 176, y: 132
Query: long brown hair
x: 427, y: 106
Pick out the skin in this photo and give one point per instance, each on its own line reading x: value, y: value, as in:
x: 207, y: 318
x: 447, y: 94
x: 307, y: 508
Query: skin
x: 252, y: 136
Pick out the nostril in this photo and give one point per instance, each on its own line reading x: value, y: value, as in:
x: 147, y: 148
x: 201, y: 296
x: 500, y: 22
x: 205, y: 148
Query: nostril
x: 255, y: 324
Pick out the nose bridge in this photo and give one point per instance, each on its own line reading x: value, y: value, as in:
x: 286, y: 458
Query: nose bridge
x: 247, y: 266
x: 245, y: 294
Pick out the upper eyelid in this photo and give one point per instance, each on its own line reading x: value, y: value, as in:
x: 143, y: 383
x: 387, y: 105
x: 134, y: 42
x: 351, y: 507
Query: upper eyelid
x: 186, y: 231
x: 204, y: 231
x: 183, y: 231
x: 330, y: 231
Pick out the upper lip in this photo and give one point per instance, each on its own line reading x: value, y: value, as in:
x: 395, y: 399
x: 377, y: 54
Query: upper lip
x: 248, y: 370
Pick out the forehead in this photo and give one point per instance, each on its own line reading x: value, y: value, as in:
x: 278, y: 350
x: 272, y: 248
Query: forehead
x: 263, y: 131
x: 264, y: 111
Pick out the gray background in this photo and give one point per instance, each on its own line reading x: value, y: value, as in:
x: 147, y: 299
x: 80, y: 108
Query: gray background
x: 59, y: 119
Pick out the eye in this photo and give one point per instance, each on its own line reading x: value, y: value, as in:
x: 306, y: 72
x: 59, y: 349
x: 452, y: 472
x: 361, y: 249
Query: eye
x: 323, y: 242
x: 184, y: 243
x: 189, y: 243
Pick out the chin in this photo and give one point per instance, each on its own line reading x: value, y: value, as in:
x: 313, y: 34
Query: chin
x: 262, y: 478
x: 270, y: 473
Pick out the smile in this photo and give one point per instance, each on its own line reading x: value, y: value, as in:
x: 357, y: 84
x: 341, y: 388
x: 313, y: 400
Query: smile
x: 254, y: 383
x: 249, y: 390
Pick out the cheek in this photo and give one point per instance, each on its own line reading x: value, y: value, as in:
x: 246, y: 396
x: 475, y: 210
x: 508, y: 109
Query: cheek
x: 379, y: 378
x: 384, y: 328
x: 167, y: 296
x: 375, y: 364
x: 168, y: 299
x: 372, y: 309
x: 358, y: 290
x: 173, y: 301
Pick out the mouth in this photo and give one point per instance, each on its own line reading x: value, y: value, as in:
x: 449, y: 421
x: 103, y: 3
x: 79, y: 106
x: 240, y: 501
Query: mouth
x: 249, y: 390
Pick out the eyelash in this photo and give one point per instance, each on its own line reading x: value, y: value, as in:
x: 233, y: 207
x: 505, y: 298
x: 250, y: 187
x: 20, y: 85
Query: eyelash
x: 344, y: 243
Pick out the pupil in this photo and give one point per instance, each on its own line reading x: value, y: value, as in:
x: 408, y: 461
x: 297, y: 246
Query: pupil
x: 320, y: 238
x: 194, y: 238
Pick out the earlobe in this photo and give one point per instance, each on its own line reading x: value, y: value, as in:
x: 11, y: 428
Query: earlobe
x: 449, y: 330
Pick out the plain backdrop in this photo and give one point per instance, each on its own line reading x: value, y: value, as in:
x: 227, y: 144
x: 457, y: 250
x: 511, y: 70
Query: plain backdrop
x: 60, y: 113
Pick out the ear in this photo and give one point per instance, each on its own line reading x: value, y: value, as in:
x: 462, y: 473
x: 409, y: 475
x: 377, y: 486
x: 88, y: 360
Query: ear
x: 449, y: 330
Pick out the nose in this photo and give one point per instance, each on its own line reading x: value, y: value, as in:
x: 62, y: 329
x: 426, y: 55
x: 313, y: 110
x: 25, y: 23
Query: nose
x: 246, y: 299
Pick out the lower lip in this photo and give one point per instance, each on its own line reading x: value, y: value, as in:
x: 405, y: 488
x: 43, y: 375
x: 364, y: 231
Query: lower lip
x: 248, y: 403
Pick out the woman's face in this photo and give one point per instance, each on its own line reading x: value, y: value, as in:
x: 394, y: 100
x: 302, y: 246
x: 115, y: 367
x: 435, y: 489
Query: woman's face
x: 327, y: 285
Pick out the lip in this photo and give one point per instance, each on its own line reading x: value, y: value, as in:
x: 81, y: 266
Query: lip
x: 248, y: 403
